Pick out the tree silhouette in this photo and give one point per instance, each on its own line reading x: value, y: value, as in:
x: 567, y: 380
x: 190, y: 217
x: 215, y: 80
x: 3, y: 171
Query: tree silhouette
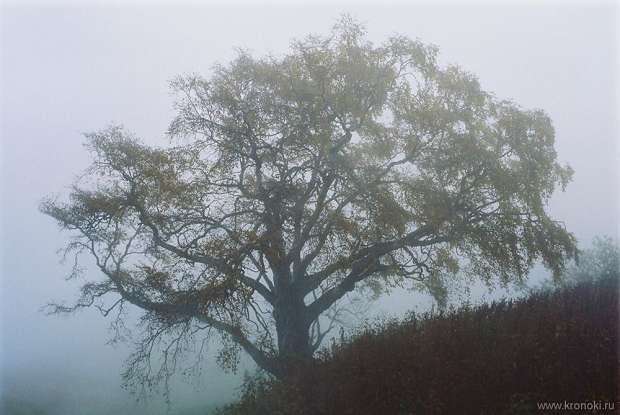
x: 295, y: 180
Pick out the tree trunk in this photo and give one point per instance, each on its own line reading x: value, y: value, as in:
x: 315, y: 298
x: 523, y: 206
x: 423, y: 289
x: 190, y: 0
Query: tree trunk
x: 294, y: 348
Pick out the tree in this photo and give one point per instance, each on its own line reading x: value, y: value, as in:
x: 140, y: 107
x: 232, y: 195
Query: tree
x: 599, y: 263
x: 295, y: 180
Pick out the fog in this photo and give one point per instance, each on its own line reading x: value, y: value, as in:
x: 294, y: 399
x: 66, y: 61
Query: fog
x: 68, y: 70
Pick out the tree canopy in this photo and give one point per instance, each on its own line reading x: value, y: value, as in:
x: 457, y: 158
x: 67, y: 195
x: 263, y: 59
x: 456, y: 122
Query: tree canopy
x: 292, y: 180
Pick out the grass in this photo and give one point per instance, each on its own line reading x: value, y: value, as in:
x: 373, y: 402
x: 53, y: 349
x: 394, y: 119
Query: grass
x: 500, y: 358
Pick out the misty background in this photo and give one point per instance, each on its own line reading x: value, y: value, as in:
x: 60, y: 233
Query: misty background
x: 68, y: 70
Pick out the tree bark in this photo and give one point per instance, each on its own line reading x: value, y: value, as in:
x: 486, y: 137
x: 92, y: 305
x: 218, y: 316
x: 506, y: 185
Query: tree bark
x: 292, y: 326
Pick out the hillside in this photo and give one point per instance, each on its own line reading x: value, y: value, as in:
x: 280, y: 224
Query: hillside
x: 506, y: 357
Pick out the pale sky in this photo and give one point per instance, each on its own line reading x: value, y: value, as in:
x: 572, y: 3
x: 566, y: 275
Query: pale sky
x: 68, y: 70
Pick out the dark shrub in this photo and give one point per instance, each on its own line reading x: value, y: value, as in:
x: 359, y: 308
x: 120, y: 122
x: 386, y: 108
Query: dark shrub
x: 492, y: 359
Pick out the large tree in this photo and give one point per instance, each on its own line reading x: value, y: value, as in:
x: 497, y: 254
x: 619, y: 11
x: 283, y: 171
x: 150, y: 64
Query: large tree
x: 294, y: 180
